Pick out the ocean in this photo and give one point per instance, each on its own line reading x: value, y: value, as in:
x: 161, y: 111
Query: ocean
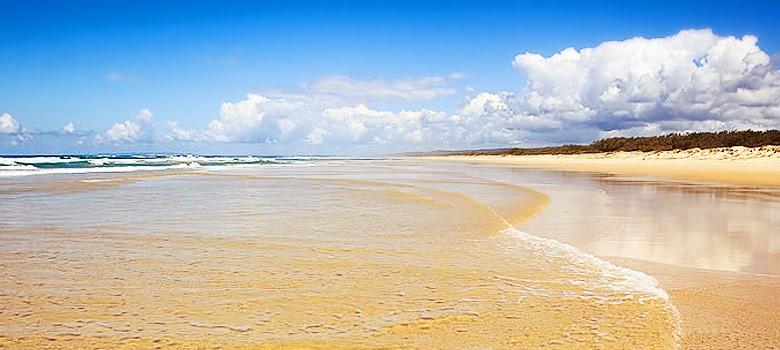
x: 114, y: 163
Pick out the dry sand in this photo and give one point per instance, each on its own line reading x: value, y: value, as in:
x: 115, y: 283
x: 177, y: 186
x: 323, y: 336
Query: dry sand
x: 719, y: 309
x: 738, y: 165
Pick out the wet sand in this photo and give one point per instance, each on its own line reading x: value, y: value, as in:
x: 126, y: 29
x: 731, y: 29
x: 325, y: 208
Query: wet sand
x: 369, y: 256
x: 725, y: 276
x: 719, y: 310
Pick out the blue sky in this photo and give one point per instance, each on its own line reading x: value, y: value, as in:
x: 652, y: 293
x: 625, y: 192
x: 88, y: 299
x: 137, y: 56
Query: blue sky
x: 97, y: 64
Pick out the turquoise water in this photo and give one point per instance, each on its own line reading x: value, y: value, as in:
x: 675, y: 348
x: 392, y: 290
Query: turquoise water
x: 77, y: 164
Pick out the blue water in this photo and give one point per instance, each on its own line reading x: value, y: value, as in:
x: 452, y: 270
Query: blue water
x: 64, y: 164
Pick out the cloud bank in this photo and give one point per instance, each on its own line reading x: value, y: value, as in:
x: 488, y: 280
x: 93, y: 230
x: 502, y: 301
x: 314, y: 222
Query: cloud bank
x: 331, y: 111
x: 693, y: 80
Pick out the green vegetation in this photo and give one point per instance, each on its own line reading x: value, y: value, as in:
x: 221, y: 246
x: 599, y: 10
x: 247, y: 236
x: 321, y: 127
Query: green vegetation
x: 703, y: 140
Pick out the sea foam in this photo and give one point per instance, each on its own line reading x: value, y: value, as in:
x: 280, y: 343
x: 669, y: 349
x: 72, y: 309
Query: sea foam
x: 613, y: 284
x: 41, y: 165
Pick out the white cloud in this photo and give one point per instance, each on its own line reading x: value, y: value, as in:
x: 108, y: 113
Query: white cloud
x: 177, y: 133
x: 128, y: 131
x: 363, y: 125
x: 485, y: 103
x: 256, y: 118
x: 145, y: 115
x: 11, y: 132
x: 298, y: 119
x: 305, y: 120
x: 8, y: 125
x: 68, y: 128
x: 125, y: 131
x: 693, y: 80
x: 317, y: 135
x: 332, y: 110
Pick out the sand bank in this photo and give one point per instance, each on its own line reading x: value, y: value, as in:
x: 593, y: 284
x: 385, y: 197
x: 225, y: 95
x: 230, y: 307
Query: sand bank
x: 737, y: 165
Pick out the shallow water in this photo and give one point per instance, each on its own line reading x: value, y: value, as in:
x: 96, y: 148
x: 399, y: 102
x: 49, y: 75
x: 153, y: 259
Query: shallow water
x: 353, y: 254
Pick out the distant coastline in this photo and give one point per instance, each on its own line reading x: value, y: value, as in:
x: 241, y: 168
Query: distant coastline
x: 741, y: 157
x: 668, y: 142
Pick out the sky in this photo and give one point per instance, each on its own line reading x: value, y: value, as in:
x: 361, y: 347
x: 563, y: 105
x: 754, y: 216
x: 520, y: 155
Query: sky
x: 376, y: 77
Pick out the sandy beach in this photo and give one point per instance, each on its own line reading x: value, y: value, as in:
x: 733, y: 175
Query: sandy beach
x: 398, y: 253
x: 721, y: 305
x: 389, y: 175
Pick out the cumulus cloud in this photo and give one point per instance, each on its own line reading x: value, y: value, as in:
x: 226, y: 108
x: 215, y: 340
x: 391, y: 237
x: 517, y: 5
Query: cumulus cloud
x: 177, y: 133
x: 361, y: 124
x: 141, y: 130
x: 317, y: 135
x: 144, y: 115
x: 68, y: 128
x: 124, y: 131
x: 691, y: 81
x: 8, y: 125
x: 333, y: 110
x: 300, y: 119
x: 258, y: 118
x: 11, y: 131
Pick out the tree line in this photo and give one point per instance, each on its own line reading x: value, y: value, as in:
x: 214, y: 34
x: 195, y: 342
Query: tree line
x: 668, y: 142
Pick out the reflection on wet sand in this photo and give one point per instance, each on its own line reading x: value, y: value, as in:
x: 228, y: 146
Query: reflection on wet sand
x: 713, y: 247
x: 730, y: 228
x: 710, y: 226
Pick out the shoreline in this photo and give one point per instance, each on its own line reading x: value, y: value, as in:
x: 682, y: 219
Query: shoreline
x: 757, y: 166
x: 718, y: 308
